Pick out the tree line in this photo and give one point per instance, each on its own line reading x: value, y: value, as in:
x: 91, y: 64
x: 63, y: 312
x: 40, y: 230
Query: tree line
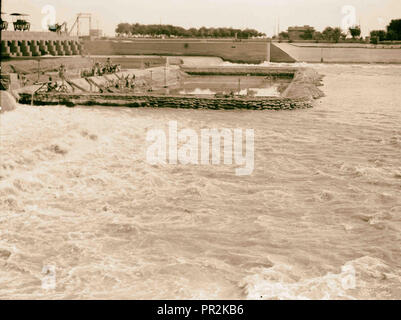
x: 328, y: 34
x: 176, y: 31
x: 393, y: 33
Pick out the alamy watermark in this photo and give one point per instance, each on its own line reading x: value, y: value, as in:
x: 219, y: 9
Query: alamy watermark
x: 349, y: 17
x: 50, y: 16
x: 186, y: 146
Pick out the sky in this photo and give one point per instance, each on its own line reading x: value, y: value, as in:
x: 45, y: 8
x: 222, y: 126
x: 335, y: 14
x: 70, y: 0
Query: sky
x: 263, y: 15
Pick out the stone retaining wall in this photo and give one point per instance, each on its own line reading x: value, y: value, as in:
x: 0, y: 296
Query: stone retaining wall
x: 186, y: 102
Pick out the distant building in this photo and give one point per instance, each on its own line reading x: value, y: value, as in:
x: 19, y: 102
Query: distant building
x: 297, y: 33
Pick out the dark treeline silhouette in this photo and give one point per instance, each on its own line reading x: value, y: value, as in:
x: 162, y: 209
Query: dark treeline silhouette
x: 393, y: 32
x: 175, y: 31
x: 328, y: 34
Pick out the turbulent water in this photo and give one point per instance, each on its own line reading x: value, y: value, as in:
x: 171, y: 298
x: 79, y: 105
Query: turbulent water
x: 319, y: 218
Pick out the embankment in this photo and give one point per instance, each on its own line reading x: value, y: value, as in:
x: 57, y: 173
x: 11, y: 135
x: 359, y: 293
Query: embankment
x: 333, y: 54
x: 279, y: 55
x: 244, y: 51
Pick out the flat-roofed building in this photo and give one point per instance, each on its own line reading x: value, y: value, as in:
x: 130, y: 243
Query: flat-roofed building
x: 299, y: 33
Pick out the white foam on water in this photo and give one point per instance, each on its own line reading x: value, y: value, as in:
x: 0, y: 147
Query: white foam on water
x: 257, y: 92
x: 261, y: 92
x: 198, y: 91
x: 76, y: 192
x: 356, y: 280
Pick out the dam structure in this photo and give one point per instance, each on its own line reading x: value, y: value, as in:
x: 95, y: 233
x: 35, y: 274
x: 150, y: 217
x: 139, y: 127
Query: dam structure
x: 238, y: 51
x: 35, y: 44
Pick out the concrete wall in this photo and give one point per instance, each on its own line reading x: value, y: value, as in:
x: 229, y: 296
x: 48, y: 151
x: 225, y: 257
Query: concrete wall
x: 28, y: 44
x: 247, y: 51
x: 341, y: 55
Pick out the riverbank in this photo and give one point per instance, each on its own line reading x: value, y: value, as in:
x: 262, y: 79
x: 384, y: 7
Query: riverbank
x: 341, y: 54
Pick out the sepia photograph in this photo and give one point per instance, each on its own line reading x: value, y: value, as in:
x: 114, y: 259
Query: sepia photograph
x: 199, y: 150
